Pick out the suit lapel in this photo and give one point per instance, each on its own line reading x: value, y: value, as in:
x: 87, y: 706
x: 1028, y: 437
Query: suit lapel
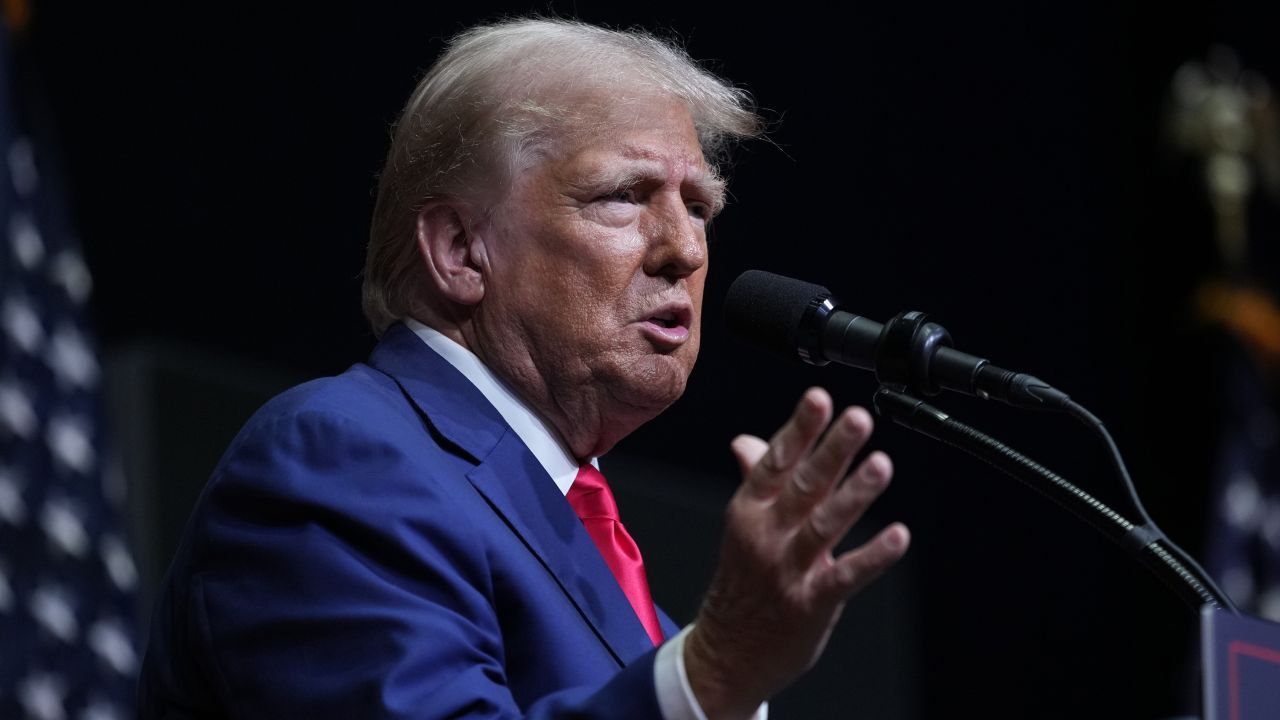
x: 539, y: 514
x: 515, y: 485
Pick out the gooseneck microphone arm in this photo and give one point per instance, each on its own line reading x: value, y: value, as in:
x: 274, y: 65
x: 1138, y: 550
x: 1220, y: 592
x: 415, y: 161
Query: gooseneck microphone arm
x: 910, y: 354
x: 1144, y: 541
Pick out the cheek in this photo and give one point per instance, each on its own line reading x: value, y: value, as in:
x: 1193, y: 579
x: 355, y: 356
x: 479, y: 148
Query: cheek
x: 578, y: 247
x: 606, y: 273
x: 576, y: 302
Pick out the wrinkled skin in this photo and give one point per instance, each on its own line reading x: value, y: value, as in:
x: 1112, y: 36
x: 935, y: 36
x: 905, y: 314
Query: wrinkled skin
x: 583, y: 290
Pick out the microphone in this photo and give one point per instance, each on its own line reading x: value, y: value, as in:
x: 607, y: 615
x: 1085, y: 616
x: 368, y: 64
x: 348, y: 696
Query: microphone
x: 796, y: 318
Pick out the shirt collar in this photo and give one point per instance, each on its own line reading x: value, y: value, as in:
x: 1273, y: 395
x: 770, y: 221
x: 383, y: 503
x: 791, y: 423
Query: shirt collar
x: 532, y: 430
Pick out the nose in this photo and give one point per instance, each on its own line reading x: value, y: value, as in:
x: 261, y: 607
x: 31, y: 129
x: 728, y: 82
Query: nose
x: 677, y: 240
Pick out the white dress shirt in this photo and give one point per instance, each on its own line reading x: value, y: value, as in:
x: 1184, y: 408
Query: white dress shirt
x: 675, y: 696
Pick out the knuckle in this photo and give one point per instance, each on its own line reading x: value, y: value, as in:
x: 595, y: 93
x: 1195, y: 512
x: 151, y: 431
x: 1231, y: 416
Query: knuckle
x: 770, y: 463
x: 820, y: 526
x: 849, y: 575
x: 803, y: 481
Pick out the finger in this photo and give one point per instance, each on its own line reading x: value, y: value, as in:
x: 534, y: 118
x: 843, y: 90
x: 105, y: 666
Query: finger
x: 815, y: 475
x: 790, y: 443
x: 797, y: 435
x: 858, y: 568
x: 832, y: 518
x: 748, y: 449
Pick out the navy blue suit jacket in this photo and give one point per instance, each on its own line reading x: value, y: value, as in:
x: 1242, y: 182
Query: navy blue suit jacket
x: 380, y: 544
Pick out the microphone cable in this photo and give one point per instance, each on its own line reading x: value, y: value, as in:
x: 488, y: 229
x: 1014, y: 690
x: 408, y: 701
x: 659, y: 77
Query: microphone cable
x: 1099, y: 429
x: 804, y: 321
x: 1169, y: 562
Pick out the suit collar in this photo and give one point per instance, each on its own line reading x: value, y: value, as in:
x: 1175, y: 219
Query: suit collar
x: 443, y: 396
x: 537, y: 434
x: 515, y: 485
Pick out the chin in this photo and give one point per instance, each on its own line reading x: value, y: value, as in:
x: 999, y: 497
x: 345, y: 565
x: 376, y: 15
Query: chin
x: 654, y: 382
x: 639, y: 391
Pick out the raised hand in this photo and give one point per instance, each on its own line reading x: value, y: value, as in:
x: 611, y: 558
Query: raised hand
x: 778, y: 590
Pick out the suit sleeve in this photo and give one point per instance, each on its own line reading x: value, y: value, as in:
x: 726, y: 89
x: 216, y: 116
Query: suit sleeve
x: 328, y: 579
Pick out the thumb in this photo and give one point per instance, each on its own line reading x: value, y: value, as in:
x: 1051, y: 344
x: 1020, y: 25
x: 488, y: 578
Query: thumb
x: 748, y: 450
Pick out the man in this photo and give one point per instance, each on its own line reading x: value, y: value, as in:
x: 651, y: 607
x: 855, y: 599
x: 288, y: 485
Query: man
x: 396, y: 541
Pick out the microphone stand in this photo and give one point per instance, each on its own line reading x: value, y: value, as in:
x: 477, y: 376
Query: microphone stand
x: 1145, y: 541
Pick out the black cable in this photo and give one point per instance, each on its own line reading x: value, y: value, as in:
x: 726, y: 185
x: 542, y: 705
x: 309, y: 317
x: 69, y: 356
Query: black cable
x: 1161, y: 555
x: 1096, y: 425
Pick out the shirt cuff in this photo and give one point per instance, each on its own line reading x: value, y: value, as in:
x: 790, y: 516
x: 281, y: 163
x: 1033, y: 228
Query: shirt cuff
x: 675, y: 695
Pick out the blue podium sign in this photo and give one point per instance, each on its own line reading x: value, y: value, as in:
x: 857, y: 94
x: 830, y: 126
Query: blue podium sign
x: 1240, y: 656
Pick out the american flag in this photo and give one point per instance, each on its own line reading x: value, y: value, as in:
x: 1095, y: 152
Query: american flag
x: 67, y: 631
x: 1244, y: 536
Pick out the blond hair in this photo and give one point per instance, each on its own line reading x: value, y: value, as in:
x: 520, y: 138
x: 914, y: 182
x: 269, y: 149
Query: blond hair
x: 497, y: 94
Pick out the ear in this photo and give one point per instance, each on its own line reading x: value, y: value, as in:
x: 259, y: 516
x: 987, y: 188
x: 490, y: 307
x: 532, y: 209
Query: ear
x: 445, y: 239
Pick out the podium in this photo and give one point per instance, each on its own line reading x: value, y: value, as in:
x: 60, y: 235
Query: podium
x: 1240, y: 660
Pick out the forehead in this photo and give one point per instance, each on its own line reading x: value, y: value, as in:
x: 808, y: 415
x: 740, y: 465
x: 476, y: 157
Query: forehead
x: 641, y: 156
x: 655, y: 138
x: 601, y: 120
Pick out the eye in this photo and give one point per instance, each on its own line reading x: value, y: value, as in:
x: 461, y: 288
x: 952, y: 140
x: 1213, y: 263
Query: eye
x: 622, y: 195
x: 701, y: 211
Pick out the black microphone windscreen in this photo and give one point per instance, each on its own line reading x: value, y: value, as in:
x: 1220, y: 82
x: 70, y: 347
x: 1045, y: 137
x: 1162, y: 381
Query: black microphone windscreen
x: 767, y: 309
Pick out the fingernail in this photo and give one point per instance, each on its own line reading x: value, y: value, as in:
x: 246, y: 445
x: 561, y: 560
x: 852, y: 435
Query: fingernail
x: 896, y: 537
x: 880, y: 465
x: 858, y: 418
x: 814, y: 399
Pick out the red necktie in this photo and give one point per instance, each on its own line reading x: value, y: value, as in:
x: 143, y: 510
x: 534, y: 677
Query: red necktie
x: 591, y: 499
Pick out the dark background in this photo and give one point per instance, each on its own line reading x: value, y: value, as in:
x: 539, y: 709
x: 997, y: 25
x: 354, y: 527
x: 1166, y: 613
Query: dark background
x: 1000, y: 166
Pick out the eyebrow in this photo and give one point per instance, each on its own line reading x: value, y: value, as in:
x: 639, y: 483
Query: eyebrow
x: 644, y: 165
x: 713, y: 186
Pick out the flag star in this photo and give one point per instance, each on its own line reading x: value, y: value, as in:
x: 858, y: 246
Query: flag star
x: 51, y: 608
x: 100, y: 709
x: 16, y: 414
x: 70, y: 444
x: 120, y: 567
x: 69, y: 271
x: 62, y: 524
x: 108, y: 639
x: 12, y: 508
x: 22, y: 324
x: 28, y: 246
x: 41, y: 696
x: 71, y: 359
x: 22, y: 167
x: 1242, y: 504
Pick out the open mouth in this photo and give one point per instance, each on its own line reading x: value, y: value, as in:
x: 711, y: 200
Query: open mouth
x: 671, y: 317
x: 669, y: 326
x: 666, y: 320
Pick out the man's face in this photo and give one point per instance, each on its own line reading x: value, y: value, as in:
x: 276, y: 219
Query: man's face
x: 597, y: 260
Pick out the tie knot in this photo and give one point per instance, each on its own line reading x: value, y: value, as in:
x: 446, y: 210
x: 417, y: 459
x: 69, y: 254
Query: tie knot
x: 590, y: 496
